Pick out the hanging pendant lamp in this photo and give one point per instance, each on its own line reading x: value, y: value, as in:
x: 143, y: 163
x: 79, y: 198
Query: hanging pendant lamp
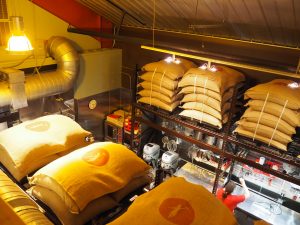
x: 18, y: 41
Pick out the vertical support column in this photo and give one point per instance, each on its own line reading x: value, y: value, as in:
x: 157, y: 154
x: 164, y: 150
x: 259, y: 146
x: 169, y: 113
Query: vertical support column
x: 225, y: 139
x: 133, y: 108
x: 298, y: 67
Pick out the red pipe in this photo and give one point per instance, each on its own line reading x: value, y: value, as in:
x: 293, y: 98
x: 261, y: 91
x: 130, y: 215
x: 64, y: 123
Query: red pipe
x: 78, y: 16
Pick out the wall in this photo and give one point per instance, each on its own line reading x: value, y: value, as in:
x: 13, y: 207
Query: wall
x: 39, y: 26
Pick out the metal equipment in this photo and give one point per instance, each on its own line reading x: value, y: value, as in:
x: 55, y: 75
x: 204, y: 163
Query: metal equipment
x: 169, y: 160
x: 151, y: 152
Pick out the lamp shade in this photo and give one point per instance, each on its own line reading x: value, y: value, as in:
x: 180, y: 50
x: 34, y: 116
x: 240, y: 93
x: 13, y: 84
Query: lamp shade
x: 18, y: 41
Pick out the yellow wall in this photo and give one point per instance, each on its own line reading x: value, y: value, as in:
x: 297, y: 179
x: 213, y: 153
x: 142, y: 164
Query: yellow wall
x: 39, y: 26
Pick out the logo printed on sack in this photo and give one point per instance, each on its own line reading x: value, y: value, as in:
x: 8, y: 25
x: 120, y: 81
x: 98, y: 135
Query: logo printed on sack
x: 96, y: 157
x: 39, y: 126
x: 177, y: 211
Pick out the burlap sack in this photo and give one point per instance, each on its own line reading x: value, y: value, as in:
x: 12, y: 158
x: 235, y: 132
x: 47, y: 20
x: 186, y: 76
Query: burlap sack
x: 265, y: 131
x: 202, y: 108
x: 292, y: 117
x: 187, y: 63
x: 203, y: 117
x: 158, y: 95
x: 176, y: 202
x: 154, y: 87
x: 217, y: 105
x: 268, y: 120
x: 241, y: 131
x: 160, y: 79
x: 172, y: 70
x: 279, y: 91
x: 218, y: 81
x: 156, y: 102
x: 199, y: 90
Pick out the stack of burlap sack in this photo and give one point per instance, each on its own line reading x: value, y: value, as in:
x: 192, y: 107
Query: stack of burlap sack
x: 159, y: 85
x: 208, y: 94
x: 273, y: 113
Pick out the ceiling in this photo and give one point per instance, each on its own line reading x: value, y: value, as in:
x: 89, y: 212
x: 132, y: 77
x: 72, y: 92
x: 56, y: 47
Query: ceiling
x: 265, y: 21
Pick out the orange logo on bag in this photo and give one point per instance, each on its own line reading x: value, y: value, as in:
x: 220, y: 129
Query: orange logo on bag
x: 96, y: 157
x: 39, y: 126
x: 177, y: 211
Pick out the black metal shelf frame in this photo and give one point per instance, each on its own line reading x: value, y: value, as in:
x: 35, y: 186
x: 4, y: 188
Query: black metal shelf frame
x: 219, y: 151
x: 223, y: 134
x: 276, y: 155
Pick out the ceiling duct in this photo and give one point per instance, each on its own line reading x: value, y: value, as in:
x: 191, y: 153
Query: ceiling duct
x: 48, y: 83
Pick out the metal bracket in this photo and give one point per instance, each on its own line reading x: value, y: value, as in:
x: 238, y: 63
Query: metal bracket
x: 298, y: 67
x: 124, y: 11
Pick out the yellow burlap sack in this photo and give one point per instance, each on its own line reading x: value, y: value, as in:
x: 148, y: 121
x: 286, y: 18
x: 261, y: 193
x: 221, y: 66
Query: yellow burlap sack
x: 265, y: 131
x: 200, y: 90
x: 268, y: 120
x: 241, y: 131
x: 26, y: 147
x: 218, y: 81
x: 176, y: 202
x: 89, y: 173
x: 157, y: 88
x: 58, y: 206
x: 292, y: 117
x: 160, y: 80
x: 202, y: 108
x: 172, y: 70
x: 187, y: 63
x: 279, y: 91
x: 215, y: 104
x: 160, y: 104
x: 158, y: 95
x: 203, y: 117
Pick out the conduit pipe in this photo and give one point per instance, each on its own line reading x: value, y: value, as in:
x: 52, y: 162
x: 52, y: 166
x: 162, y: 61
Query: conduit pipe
x: 212, y: 57
x: 53, y: 82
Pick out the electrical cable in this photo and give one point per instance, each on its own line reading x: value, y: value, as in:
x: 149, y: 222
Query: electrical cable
x: 154, y: 20
x: 19, y: 63
x: 37, y: 69
x: 274, y: 208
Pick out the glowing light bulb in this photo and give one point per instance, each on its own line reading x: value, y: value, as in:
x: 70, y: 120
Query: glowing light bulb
x: 204, y: 66
x: 169, y: 59
x: 18, y: 43
x: 213, y: 69
x: 177, y: 61
x: 293, y: 85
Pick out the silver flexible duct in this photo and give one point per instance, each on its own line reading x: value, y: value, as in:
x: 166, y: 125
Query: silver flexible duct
x: 49, y: 83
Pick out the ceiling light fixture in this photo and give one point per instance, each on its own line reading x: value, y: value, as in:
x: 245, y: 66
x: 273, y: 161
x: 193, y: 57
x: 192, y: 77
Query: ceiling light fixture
x: 18, y: 41
x: 213, y: 68
x: 227, y: 63
x: 169, y: 59
x: 293, y: 85
x: 204, y: 66
x: 208, y: 66
x: 172, y: 59
x: 177, y: 61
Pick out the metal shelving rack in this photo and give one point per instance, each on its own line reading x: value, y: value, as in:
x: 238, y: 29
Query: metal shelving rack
x: 222, y: 152
x: 223, y: 134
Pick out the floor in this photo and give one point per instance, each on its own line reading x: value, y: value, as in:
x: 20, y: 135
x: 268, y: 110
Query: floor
x: 242, y: 218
